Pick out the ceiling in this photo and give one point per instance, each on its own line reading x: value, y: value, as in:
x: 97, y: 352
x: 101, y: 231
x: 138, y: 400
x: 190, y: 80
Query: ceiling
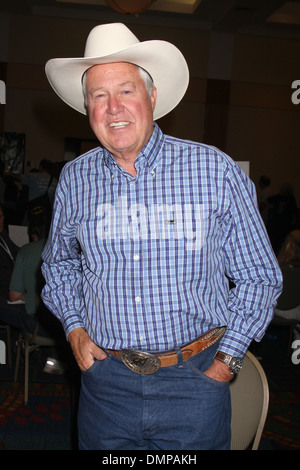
x: 175, y: 6
x: 267, y: 17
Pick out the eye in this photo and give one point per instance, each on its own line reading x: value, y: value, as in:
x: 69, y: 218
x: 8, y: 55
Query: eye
x: 96, y: 96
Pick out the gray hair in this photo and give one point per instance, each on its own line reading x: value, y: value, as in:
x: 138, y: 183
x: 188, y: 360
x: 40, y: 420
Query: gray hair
x: 144, y: 74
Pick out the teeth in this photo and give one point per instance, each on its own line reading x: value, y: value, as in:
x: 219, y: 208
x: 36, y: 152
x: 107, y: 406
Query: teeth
x: 118, y: 125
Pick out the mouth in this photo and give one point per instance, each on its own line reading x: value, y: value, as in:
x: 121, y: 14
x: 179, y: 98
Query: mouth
x: 119, y: 125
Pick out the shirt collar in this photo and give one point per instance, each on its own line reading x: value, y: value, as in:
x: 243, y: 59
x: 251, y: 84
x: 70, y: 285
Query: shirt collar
x: 151, y: 150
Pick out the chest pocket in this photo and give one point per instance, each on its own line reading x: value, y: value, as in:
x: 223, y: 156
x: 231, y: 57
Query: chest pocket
x: 184, y: 225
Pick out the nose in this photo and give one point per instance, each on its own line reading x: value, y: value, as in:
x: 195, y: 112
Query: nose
x: 114, y: 105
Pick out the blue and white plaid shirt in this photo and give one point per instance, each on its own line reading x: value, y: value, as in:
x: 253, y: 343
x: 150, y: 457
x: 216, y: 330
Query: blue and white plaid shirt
x: 143, y: 262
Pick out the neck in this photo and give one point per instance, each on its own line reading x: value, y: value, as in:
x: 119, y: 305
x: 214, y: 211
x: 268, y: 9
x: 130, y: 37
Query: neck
x: 129, y: 167
x: 126, y: 162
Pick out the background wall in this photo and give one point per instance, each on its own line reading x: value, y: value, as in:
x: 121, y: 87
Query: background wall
x: 239, y: 97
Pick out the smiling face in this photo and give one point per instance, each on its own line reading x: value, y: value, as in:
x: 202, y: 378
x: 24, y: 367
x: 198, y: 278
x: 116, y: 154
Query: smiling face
x: 120, y: 109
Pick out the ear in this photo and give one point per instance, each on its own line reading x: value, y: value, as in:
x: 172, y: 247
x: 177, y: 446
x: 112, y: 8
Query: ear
x: 153, y: 97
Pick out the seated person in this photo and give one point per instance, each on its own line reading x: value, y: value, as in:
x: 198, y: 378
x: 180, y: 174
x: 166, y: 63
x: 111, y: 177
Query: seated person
x: 24, y: 283
x: 24, y: 305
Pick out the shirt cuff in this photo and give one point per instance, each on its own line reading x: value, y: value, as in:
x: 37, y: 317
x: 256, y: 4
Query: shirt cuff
x: 234, y: 343
x: 70, y: 321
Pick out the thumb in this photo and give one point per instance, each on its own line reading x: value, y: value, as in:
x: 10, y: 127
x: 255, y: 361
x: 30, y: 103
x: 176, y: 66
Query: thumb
x: 98, y: 353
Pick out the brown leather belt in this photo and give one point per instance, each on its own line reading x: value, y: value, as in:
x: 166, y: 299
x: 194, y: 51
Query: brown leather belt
x: 147, y: 363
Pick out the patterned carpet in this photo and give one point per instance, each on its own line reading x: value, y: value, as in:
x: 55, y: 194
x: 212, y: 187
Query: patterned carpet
x: 45, y: 423
x: 282, y: 428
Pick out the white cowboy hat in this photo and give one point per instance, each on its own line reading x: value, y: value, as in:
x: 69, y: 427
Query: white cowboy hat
x: 114, y: 42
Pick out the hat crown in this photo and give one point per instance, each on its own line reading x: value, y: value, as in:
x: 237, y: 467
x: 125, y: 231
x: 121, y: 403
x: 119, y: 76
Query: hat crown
x: 109, y: 38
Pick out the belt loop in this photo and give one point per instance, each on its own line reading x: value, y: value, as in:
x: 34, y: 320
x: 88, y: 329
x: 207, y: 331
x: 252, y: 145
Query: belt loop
x: 180, y: 357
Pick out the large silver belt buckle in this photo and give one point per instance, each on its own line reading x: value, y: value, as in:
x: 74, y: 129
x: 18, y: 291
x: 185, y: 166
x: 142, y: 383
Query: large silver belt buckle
x: 140, y: 362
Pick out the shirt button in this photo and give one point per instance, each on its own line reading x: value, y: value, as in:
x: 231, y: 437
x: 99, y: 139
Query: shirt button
x: 138, y: 298
x: 136, y: 257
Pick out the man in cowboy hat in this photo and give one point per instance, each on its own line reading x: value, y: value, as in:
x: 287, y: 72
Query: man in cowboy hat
x: 147, y: 229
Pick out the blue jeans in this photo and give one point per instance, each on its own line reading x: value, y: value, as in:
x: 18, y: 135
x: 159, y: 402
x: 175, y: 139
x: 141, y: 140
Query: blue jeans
x: 176, y: 408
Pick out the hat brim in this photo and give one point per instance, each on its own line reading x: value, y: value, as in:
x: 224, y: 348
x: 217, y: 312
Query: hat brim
x: 161, y: 59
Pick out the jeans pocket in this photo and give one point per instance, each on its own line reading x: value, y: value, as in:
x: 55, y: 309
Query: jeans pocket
x: 193, y: 366
x: 93, y: 367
